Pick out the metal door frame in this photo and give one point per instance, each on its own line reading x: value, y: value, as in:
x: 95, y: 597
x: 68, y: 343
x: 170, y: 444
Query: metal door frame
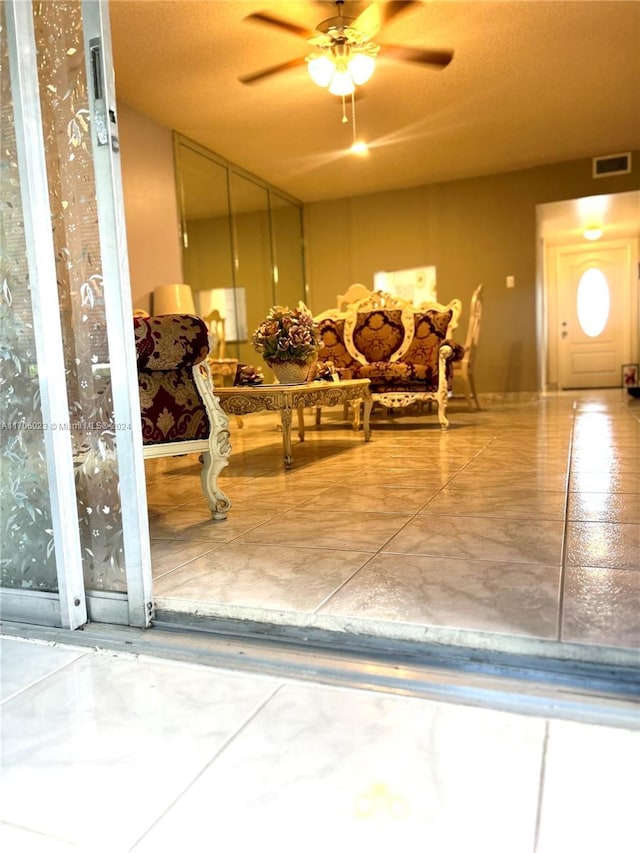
x: 72, y: 605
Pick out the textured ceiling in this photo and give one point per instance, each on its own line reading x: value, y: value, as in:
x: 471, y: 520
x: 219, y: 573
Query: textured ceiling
x: 530, y: 83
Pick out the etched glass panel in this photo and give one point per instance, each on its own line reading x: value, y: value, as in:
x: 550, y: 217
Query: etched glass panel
x: 72, y: 195
x: 27, y: 558
x: 593, y: 302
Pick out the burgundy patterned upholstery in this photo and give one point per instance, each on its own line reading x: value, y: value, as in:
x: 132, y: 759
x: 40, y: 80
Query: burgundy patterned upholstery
x: 402, y: 349
x: 430, y: 333
x: 332, y: 347
x: 167, y: 347
x: 378, y: 335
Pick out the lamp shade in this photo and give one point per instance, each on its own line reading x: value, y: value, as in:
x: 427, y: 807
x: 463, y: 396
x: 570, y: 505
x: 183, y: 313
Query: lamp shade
x: 341, y: 83
x: 173, y: 299
x: 361, y: 67
x: 321, y: 69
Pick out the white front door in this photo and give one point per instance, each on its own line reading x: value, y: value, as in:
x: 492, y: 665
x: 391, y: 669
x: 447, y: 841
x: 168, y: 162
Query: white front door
x: 595, y: 313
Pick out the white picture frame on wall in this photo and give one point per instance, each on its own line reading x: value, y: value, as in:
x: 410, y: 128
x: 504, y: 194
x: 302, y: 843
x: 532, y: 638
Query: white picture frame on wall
x: 415, y: 284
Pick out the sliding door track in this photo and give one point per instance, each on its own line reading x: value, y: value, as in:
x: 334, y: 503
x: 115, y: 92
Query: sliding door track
x: 599, y: 693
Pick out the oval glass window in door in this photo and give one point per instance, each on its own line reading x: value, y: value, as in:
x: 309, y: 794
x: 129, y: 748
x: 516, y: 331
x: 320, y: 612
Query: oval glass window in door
x: 593, y: 302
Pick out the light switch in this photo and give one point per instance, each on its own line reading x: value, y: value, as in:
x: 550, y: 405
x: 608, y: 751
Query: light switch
x: 511, y: 282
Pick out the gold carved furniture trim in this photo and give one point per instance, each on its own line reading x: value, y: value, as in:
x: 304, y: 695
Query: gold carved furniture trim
x: 353, y: 293
x: 285, y: 399
x: 406, y: 351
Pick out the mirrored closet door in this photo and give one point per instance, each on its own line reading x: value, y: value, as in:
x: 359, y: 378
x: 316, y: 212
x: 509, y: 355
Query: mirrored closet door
x: 243, y: 244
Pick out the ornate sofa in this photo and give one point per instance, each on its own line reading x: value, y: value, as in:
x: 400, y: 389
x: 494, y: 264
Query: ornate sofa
x: 178, y: 409
x: 404, y: 350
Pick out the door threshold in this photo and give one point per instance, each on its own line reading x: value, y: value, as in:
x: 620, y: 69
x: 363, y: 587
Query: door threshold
x: 353, y: 632
x: 593, y: 693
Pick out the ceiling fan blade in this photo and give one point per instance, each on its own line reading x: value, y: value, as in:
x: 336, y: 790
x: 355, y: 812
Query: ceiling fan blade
x: 287, y: 26
x: 440, y: 58
x: 378, y: 14
x: 392, y: 8
x: 350, y: 8
x: 257, y: 76
x: 369, y: 21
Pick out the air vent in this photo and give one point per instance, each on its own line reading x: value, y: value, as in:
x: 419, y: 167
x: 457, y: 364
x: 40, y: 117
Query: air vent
x: 614, y: 164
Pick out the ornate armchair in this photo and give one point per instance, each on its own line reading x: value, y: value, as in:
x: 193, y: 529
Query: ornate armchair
x: 464, y: 369
x: 404, y: 350
x: 179, y: 411
x: 354, y: 292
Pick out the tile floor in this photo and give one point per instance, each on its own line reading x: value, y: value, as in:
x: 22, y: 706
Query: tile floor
x: 521, y: 523
x: 106, y: 753
x: 518, y: 525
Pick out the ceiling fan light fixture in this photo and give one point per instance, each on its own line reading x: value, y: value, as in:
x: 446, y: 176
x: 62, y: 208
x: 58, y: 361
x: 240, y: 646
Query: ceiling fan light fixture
x: 344, y: 52
x: 321, y: 70
x: 342, y: 83
x: 361, y: 67
x: 592, y: 233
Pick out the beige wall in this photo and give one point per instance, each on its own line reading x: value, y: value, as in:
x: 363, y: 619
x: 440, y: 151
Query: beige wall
x: 151, y: 209
x: 475, y: 230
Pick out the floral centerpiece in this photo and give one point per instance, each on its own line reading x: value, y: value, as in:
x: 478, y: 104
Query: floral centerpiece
x: 288, y: 337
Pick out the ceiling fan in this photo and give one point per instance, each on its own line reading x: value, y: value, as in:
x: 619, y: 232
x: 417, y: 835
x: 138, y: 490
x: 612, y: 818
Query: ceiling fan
x: 343, y: 52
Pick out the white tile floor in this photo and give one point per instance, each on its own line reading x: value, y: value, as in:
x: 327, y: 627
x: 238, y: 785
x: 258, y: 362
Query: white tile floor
x: 109, y: 752
x: 518, y: 525
x: 518, y: 522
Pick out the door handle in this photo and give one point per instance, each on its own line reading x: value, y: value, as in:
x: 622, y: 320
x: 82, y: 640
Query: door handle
x: 99, y: 106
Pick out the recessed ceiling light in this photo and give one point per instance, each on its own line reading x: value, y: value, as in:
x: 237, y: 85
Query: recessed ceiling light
x: 592, y: 233
x: 360, y: 148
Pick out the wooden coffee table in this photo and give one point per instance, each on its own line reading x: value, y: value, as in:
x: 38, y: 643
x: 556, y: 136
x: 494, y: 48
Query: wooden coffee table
x: 242, y: 400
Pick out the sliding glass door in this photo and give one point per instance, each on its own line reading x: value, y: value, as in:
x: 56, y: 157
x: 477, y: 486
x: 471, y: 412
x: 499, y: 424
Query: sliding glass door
x: 75, y: 543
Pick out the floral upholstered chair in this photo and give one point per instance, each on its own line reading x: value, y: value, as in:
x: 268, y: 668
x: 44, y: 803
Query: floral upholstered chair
x: 333, y: 348
x: 333, y: 351
x: 405, y: 351
x: 178, y: 409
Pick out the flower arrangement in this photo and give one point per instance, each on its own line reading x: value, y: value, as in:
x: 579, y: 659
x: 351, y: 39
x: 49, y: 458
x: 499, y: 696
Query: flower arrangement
x: 247, y: 374
x: 325, y: 371
x: 287, y: 335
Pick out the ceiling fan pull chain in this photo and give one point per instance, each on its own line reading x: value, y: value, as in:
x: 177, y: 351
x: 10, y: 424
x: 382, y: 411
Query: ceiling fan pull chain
x: 353, y: 116
x: 344, y: 111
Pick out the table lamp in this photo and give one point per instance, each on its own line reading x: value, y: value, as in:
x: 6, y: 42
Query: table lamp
x: 173, y: 299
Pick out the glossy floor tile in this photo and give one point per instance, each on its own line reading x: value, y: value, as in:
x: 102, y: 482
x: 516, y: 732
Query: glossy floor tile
x: 122, y: 737
x: 244, y: 578
x: 104, y: 752
x: 520, y: 521
x: 498, y: 597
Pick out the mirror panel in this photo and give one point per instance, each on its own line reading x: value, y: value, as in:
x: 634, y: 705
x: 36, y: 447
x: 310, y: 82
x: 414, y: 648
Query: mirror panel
x: 286, y: 219
x: 253, y: 262
x: 203, y: 184
x: 242, y: 244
